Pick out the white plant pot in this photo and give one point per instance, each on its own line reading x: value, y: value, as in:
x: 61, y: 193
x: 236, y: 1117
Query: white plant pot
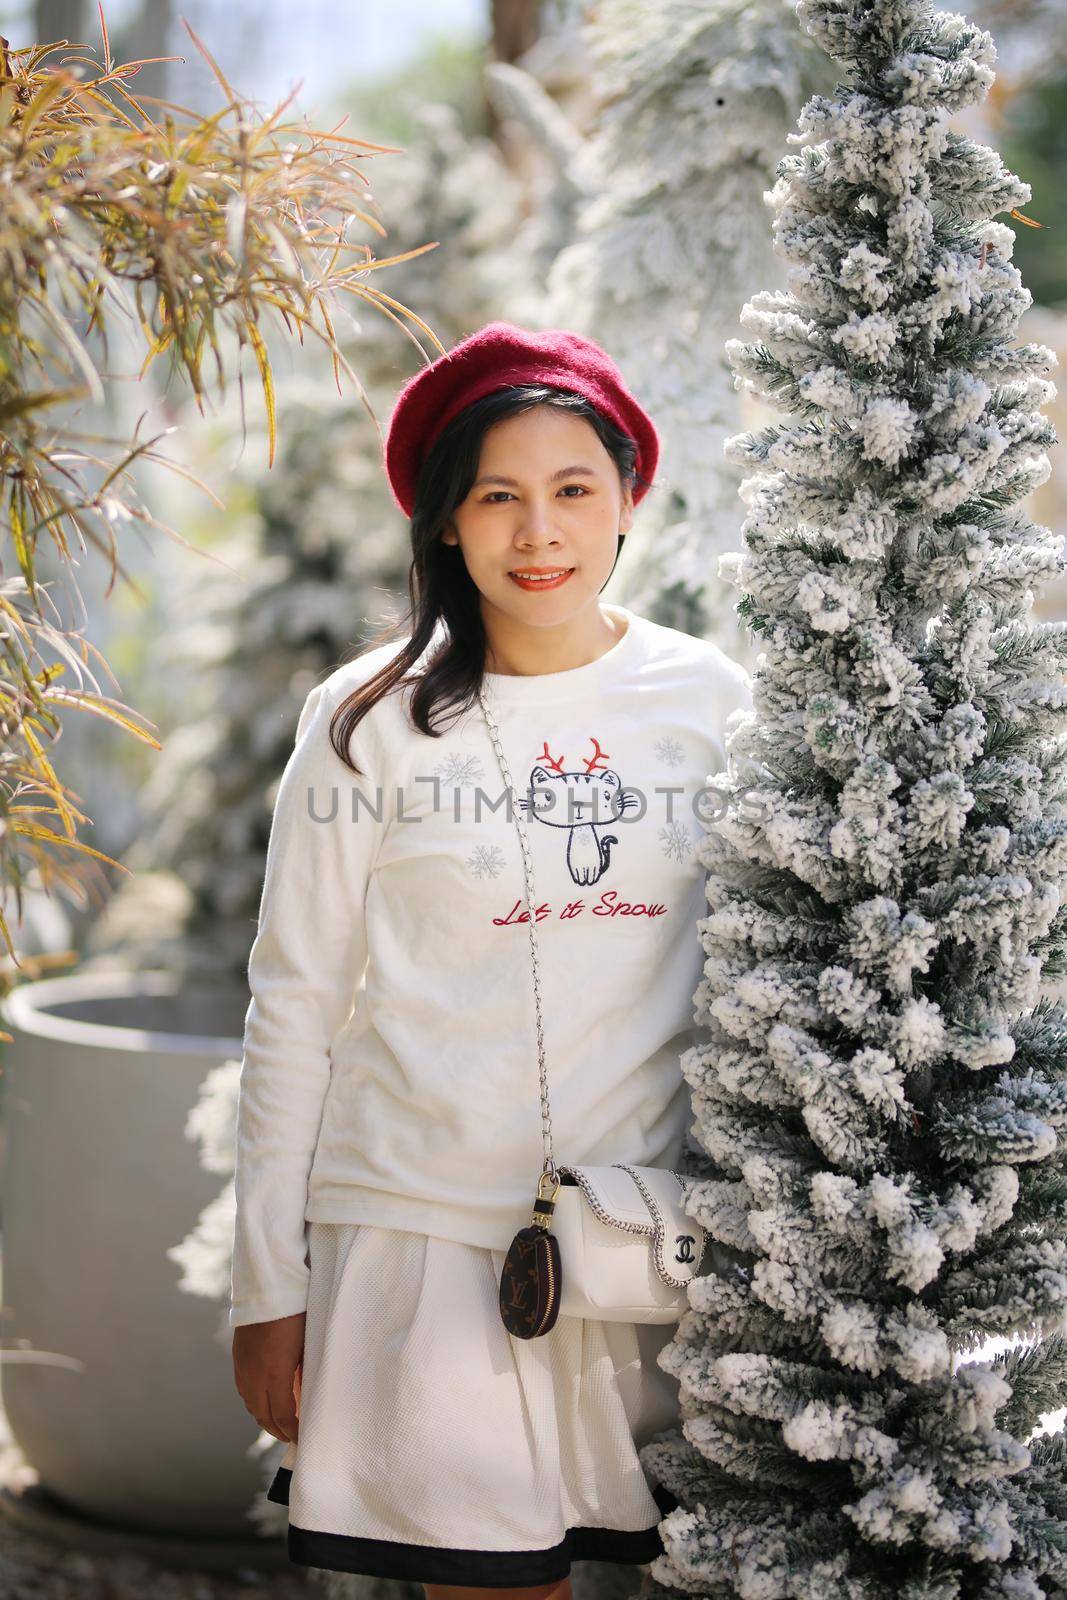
x: 144, y: 1427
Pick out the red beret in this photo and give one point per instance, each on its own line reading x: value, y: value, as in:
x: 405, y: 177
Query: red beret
x: 495, y: 357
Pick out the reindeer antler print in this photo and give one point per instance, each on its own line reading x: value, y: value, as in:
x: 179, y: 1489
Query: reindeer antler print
x: 597, y: 756
x: 551, y: 761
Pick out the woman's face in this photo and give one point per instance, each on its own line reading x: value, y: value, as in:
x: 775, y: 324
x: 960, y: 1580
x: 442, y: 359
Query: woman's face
x: 547, y: 496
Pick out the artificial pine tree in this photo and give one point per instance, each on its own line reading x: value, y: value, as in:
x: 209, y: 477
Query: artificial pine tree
x: 882, y: 1088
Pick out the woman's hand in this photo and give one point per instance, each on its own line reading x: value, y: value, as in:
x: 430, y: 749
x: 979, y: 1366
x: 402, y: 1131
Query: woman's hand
x: 267, y: 1357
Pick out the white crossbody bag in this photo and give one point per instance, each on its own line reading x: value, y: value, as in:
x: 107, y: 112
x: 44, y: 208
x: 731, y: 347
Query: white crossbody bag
x: 614, y: 1242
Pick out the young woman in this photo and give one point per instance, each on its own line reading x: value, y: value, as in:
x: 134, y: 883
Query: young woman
x: 389, y: 1126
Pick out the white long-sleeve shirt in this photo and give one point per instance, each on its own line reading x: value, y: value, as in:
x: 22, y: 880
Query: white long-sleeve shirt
x: 389, y: 1070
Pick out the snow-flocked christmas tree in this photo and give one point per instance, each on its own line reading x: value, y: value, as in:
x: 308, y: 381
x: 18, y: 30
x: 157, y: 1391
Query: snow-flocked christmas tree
x: 881, y: 1090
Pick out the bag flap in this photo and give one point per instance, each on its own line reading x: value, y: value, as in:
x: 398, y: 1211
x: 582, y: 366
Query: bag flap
x: 667, y: 1190
x: 614, y: 1192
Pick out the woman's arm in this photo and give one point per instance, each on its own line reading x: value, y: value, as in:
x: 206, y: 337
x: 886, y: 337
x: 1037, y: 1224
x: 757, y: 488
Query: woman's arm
x: 304, y: 969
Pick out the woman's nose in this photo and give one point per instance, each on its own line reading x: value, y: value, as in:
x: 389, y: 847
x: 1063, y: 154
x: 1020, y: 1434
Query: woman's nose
x: 538, y: 523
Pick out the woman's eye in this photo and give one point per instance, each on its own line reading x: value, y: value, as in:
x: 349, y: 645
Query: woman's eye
x: 491, y: 497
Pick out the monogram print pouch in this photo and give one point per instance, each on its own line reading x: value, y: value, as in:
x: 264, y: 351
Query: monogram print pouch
x: 530, y: 1283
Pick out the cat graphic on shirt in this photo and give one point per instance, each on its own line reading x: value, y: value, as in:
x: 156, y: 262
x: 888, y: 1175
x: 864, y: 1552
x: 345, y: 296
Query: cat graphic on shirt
x: 582, y: 801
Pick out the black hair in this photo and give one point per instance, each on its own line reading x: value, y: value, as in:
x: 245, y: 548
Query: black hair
x: 439, y: 585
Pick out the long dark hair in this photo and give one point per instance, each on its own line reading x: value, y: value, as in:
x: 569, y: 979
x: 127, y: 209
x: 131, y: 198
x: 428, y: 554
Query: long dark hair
x: 439, y: 585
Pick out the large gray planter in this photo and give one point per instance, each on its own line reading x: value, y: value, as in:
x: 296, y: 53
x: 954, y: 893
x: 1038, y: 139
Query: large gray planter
x: 98, y: 1182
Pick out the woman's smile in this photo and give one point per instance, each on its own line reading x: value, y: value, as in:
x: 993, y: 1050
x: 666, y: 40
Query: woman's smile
x: 540, y: 577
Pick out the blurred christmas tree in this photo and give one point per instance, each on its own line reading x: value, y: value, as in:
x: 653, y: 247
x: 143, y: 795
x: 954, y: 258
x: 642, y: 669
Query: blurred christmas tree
x: 694, y: 101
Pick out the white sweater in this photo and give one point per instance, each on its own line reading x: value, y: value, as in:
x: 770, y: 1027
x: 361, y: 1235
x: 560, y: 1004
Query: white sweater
x: 389, y: 1070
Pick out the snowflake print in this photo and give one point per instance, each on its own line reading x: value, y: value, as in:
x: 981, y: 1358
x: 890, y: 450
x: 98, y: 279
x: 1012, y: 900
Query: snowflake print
x: 668, y: 750
x: 676, y: 841
x: 458, y: 769
x: 486, y: 861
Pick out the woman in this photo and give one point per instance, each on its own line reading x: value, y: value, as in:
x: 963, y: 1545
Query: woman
x: 388, y: 1140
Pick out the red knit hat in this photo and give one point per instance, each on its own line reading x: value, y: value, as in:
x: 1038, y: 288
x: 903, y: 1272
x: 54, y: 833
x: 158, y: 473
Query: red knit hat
x: 495, y: 357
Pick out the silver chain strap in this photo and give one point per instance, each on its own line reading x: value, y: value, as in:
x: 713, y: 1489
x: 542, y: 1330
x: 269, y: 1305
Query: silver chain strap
x: 520, y: 823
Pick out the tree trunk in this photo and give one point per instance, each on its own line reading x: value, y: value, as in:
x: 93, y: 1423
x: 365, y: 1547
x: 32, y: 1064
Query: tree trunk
x: 517, y: 24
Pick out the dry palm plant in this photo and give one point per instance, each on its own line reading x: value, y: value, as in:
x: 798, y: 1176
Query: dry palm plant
x: 199, y: 231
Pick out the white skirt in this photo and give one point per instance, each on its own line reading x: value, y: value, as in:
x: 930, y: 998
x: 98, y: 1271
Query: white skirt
x: 433, y: 1446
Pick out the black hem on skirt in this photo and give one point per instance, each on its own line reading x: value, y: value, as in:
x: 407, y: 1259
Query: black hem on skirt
x: 427, y: 1563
